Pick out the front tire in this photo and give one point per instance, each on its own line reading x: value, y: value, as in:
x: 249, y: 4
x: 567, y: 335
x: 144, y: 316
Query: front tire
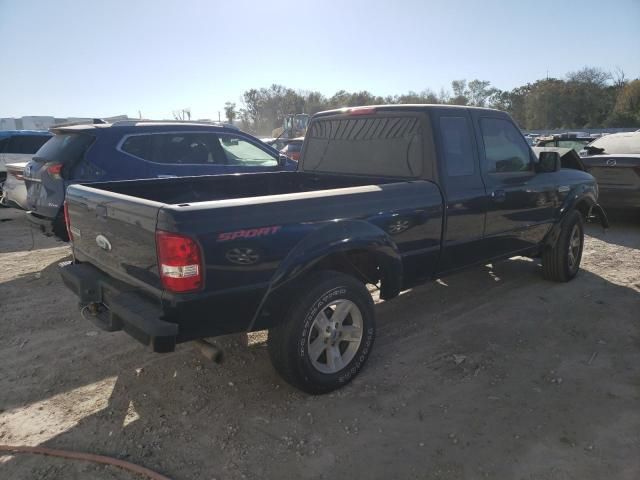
x: 561, y: 262
x: 326, y: 335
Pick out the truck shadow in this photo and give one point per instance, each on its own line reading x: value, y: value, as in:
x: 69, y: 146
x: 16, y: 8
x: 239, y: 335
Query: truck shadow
x: 494, y: 360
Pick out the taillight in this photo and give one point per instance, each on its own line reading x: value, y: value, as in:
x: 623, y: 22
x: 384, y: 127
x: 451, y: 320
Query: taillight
x: 67, y: 220
x: 179, y: 262
x: 55, y: 170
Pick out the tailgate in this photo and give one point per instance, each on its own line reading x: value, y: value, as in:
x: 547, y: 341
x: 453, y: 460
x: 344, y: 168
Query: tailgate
x: 615, y: 171
x: 115, y: 233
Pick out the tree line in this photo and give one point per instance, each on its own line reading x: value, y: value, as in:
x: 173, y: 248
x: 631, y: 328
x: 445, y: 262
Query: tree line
x: 587, y: 98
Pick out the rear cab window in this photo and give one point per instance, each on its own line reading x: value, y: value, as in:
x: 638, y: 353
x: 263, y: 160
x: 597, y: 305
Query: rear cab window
x: 383, y: 144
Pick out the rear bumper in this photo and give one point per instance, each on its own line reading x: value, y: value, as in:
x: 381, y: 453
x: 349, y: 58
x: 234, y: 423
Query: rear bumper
x: 619, y: 198
x: 119, y: 307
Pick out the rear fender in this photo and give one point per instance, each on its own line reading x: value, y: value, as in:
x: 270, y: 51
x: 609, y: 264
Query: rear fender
x: 337, y: 237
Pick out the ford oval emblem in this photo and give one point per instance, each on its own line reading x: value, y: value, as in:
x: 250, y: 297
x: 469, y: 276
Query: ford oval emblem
x: 103, y: 242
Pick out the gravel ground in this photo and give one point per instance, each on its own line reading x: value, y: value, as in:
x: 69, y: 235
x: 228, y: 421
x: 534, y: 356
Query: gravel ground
x: 491, y: 373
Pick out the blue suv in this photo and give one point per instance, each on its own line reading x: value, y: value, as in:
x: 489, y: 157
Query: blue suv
x: 130, y: 150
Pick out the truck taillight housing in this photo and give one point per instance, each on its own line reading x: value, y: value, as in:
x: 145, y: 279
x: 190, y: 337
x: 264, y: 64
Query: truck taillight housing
x: 179, y: 262
x: 67, y: 220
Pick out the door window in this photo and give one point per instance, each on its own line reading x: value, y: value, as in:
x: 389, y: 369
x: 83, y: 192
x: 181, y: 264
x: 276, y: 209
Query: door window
x: 456, y: 145
x: 505, y: 148
x: 239, y: 151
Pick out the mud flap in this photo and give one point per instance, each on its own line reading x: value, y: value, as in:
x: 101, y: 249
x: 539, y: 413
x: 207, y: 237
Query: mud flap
x: 596, y: 212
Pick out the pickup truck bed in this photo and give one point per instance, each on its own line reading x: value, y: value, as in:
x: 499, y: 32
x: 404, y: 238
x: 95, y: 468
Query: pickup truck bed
x: 388, y: 196
x: 263, y: 218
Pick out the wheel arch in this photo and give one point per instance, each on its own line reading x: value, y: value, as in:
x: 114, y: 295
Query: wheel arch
x: 354, y: 247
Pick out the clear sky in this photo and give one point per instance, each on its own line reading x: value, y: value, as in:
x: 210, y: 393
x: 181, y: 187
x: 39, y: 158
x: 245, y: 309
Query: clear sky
x: 90, y: 58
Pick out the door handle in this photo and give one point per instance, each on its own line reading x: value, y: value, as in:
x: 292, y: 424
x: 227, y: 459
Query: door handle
x: 498, y: 195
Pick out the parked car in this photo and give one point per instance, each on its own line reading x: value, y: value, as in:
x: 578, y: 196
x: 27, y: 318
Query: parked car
x: 293, y: 148
x: 575, y: 140
x: 14, y: 191
x: 392, y: 196
x: 614, y: 160
x: 133, y: 150
x: 19, y: 146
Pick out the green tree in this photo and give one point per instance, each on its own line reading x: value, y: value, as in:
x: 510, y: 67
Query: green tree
x: 230, y: 111
x: 626, y: 112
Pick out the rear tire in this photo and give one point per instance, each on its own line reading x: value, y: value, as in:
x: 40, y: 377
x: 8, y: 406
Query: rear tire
x: 561, y: 262
x: 60, y: 228
x: 326, y: 335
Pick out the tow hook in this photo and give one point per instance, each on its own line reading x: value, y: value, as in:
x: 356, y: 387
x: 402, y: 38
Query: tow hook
x: 210, y: 351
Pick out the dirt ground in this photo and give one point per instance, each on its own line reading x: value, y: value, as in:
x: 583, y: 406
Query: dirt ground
x: 492, y: 373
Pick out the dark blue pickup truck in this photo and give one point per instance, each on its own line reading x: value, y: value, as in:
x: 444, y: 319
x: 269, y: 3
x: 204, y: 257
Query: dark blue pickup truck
x: 391, y: 196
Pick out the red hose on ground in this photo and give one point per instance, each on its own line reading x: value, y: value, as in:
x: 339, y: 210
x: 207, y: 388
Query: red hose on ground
x: 89, y: 457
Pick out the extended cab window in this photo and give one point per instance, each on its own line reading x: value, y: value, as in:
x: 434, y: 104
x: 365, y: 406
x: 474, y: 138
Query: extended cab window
x: 505, y: 148
x: 379, y: 145
x: 239, y: 151
x: 456, y: 144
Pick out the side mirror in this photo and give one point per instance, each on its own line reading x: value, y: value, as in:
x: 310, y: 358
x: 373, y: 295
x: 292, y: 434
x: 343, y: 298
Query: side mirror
x: 282, y: 159
x: 548, y: 162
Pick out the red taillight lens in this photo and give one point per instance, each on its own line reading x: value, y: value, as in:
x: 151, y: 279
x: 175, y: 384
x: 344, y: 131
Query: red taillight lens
x: 67, y: 220
x: 55, y: 170
x: 179, y: 262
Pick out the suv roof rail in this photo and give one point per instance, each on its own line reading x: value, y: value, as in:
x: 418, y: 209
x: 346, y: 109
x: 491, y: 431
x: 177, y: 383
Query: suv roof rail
x: 125, y: 123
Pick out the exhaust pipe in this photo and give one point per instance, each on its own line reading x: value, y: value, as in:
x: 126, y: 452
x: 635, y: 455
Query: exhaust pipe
x: 210, y: 351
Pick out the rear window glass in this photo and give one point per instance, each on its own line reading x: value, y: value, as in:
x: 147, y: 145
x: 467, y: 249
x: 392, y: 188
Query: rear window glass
x: 64, y: 148
x: 619, y: 143
x: 25, y: 144
x: 384, y: 145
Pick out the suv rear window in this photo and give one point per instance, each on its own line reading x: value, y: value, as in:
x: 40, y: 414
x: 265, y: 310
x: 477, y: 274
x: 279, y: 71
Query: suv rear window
x: 65, y: 148
x: 619, y: 143
x: 389, y: 145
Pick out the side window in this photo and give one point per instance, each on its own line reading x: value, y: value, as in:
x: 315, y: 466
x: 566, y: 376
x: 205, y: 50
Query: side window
x: 457, y: 149
x: 26, y: 144
x: 505, y: 149
x: 239, y: 151
x: 138, y: 146
x: 175, y: 148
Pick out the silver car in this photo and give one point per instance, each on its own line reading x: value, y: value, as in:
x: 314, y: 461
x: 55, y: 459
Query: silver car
x: 14, y: 191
